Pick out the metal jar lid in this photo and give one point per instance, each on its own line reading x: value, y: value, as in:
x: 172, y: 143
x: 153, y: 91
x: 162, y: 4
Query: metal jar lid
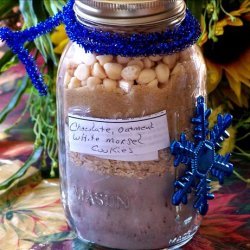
x: 130, y: 12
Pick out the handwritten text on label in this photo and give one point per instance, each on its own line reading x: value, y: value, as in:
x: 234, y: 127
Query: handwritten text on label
x: 118, y: 137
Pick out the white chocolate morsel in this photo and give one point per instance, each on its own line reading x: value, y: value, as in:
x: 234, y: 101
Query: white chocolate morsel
x: 153, y: 84
x: 139, y: 58
x: 148, y: 63
x: 74, y: 83
x: 123, y: 59
x: 136, y: 62
x: 98, y: 71
x: 178, y: 70
x: 83, y: 83
x: 126, y: 86
x: 170, y: 60
x: 109, y: 84
x: 104, y: 59
x: 71, y: 68
x: 187, y: 54
x: 131, y: 73
x: 113, y: 70
x: 82, y: 72
x: 146, y: 76
x: 77, y: 54
x: 155, y: 58
x: 93, y: 82
x: 178, y: 75
x: 162, y: 72
x: 67, y: 79
x: 89, y: 58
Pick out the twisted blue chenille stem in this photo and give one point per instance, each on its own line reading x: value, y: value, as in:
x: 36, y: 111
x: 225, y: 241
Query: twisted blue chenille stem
x: 99, y: 41
x: 135, y: 44
x: 15, y: 41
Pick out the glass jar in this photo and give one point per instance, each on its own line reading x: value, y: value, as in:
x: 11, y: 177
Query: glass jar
x: 117, y: 116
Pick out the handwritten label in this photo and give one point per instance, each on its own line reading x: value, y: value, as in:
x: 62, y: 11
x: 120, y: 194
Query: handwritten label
x: 136, y: 139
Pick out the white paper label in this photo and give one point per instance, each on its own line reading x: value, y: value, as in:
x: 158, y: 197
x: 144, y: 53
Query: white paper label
x: 135, y: 139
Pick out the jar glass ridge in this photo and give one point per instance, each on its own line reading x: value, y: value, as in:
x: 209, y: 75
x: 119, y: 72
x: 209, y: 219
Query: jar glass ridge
x: 114, y: 201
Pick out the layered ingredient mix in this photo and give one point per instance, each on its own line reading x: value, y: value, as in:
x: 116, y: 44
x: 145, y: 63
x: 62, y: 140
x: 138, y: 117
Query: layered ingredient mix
x: 122, y: 203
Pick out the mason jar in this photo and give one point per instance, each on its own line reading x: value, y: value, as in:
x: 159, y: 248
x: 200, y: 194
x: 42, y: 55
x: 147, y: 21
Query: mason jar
x: 118, y: 111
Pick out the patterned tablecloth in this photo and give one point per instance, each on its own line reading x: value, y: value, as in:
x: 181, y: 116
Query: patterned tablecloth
x: 31, y: 214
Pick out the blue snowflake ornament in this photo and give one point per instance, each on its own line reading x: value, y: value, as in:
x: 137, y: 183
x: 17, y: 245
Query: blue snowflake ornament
x: 201, y: 158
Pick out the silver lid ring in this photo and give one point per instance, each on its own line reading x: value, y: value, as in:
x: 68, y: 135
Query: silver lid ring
x: 130, y: 12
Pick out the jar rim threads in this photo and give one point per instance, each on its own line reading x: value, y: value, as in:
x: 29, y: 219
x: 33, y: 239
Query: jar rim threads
x: 130, y: 12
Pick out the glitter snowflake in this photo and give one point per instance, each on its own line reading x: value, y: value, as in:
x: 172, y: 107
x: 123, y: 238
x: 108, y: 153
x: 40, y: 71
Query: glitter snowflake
x: 201, y: 158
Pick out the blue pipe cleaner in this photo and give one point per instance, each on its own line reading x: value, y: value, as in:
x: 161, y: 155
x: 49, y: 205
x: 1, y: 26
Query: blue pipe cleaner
x: 15, y: 41
x: 95, y: 40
